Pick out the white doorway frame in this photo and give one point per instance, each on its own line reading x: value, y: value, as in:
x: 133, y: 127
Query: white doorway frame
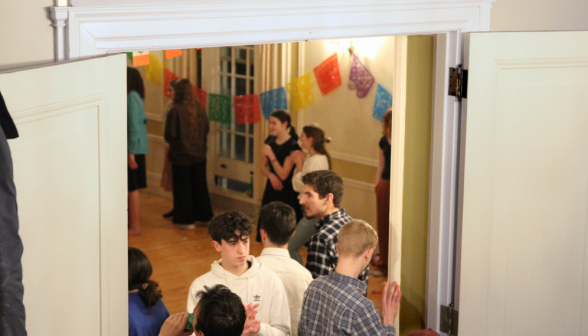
x: 95, y: 27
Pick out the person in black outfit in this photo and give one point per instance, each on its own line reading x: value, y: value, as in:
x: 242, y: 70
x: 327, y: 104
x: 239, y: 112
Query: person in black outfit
x: 278, y: 146
x: 12, y: 310
x: 186, y: 131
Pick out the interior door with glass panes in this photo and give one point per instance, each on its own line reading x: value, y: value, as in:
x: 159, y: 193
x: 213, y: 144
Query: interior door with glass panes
x: 235, y: 145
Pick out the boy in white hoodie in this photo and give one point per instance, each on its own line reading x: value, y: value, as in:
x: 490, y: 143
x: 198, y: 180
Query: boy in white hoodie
x: 244, y: 276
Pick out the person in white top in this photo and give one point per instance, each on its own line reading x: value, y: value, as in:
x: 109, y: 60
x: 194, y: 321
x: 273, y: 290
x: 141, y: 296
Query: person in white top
x: 260, y: 289
x: 312, y: 140
x: 278, y: 221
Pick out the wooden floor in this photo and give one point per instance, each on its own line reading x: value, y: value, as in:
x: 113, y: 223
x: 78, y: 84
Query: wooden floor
x: 180, y: 256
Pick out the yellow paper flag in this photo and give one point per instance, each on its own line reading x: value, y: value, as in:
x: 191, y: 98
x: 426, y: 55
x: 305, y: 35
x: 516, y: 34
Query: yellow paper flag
x: 300, y: 92
x: 154, y: 69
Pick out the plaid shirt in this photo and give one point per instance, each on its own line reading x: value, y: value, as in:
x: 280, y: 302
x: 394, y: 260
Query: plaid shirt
x: 322, y: 255
x: 335, y: 305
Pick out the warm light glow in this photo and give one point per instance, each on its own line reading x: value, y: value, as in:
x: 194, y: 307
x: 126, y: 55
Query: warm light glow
x: 366, y: 47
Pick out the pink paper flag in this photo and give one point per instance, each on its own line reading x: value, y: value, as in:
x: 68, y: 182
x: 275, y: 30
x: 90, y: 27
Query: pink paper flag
x: 360, y: 78
x: 327, y: 75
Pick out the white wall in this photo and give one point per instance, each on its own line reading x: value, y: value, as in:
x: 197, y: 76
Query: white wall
x: 523, y: 15
x: 26, y: 36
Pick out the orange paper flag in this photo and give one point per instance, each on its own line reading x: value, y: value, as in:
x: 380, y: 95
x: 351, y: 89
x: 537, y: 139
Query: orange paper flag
x: 140, y: 58
x: 173, y: 53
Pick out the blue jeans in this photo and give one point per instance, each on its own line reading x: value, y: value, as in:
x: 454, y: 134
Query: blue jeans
x: 304, y: 231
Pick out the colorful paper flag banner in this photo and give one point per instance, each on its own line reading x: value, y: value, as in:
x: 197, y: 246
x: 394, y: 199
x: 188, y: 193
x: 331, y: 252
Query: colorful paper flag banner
x: 382, y: 103
x: 130, y: 56
x: 173, y: 53
x: 360, y: 78
x: 300, y: 92
x: 247, y: 109
x: 219, y: 108
x: 201, y: 95
x: 153, y: 69
x: 168, y: 76
x: 327, y: 75
x: 273, y: 100
x: 140, y: 58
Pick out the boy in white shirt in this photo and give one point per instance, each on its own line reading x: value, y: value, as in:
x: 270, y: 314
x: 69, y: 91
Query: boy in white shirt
x: 255, y: 284
x: 278, y: 221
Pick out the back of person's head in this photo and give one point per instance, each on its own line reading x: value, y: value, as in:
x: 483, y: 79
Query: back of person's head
x: 326, y: 182
x: 318, y: 140
x: 387, y: 123
x: 139, y: 273
x: 279, y: 222
x: 135, y: 82
x: 283, y: 117
x: 220, y: 312
x: 226, y: 226
x: 184, y: 93
x: 356, y: 237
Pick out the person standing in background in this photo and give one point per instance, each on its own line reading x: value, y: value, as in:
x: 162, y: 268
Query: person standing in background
x: 12, y: 309
x: 166, y: 175
x: 278, y: 146
x: 138, y: 146
x: 186, y: 131
x: 383, y: 191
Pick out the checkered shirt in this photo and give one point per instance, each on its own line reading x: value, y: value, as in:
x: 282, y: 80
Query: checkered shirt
x: 335, y: 305
x: 322, y: 254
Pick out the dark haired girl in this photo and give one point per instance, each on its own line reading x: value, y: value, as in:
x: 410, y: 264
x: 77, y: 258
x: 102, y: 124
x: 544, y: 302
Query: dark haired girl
x: 383, y: 190
x: 278, y: 146
x: 146, y: 310
x: 138, y: 146
x: 186, y: 130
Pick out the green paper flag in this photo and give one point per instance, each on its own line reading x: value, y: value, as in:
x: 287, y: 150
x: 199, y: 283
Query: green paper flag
x: 130, y: 56
x: 219, y: 108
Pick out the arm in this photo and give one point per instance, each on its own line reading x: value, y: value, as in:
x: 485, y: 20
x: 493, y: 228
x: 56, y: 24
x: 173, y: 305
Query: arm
x: 380, y: 168
x: 171, y: 126
x: 318, y: 260
x: 134, y: 122
x: 174, y: 325
x: 265, y: 171
x: 281, y: 171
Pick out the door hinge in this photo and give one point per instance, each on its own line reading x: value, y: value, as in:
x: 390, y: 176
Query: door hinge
x: 449, y: 320
x: 458, y: 82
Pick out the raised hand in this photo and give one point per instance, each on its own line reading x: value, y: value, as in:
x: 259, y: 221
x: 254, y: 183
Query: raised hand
x: 390, y: 302
x: 252, y: 325
x: 174, y: 325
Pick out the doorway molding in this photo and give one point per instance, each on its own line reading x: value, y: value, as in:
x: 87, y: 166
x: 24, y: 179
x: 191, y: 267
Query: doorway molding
x: 89, y: 28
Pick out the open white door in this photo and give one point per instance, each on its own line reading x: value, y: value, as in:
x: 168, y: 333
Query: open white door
x: 71, y: 181
x: 522, y: 244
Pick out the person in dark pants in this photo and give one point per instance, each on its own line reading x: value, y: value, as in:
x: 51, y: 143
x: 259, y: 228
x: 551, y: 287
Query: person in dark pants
x: 12, y: 310
x: 186, y: 130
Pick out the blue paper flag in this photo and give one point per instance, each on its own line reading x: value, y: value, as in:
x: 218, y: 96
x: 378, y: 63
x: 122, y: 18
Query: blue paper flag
x: 273, y: 100
x: 382, y: 103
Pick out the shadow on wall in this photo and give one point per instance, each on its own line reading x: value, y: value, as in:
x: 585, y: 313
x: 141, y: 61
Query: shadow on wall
x: 412, y: 319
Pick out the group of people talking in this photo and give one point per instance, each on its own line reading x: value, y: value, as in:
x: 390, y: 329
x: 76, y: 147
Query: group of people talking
x: 273, y: 294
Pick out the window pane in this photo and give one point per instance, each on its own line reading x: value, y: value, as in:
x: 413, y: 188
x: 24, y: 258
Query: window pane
x: 226, y: 51
x: 226, y: 66
x: 240, y: 87
x: 240, y: 128
x: 231, y: 184
x: 242, y: 54
x: 239, y: 147
x: 250, y: 129
x: 251, y: 87
x: 251, y: 63
x: 226, y: 85
x: 251, y: 149
x: 224, y: 126
x: 241, y: 68
x: 224, y: 145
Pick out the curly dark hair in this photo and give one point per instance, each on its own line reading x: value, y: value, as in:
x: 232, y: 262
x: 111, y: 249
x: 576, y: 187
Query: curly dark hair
x: 326, y: 182
x: 220, y: 312
x: 226, y: 225
x: 140, y: 271
x: 279, y: 221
